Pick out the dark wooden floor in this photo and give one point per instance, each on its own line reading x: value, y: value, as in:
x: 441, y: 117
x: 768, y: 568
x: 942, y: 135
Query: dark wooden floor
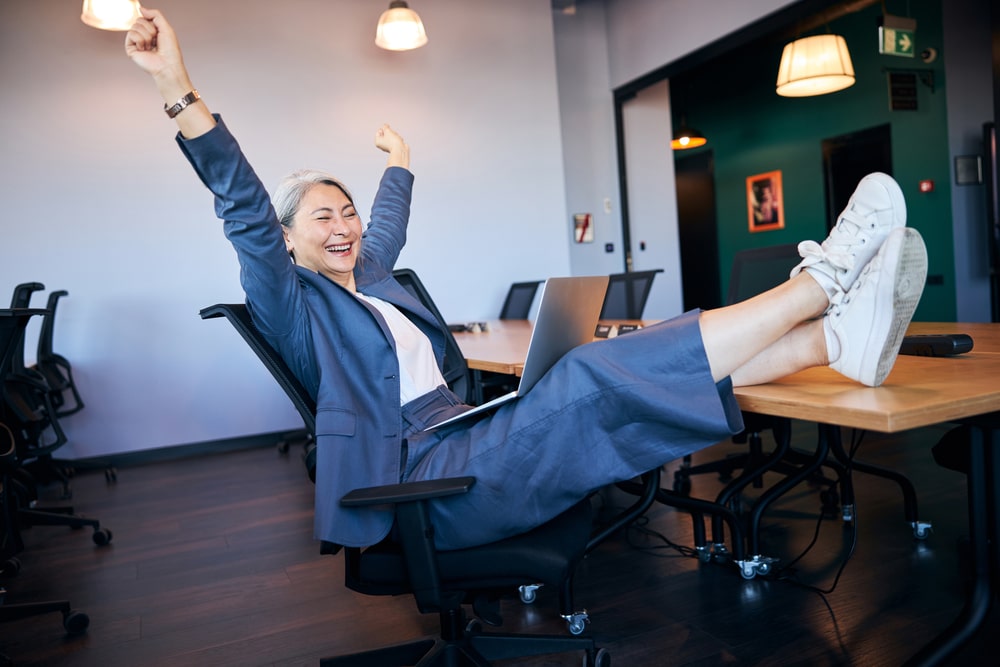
x: 212, y: 563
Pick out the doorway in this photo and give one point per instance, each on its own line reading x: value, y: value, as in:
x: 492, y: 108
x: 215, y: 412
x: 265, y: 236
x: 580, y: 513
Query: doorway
x: 698, y: 231
x: 849, y: 158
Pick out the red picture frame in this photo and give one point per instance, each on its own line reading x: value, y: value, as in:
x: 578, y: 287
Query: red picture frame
x: 765, y: 202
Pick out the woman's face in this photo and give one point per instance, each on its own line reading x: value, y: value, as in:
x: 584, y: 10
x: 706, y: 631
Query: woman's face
x: 326, y: 234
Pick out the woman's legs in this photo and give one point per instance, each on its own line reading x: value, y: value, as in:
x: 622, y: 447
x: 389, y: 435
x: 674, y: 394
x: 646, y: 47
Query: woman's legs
x: 867, y: 276
x: 736, y: 335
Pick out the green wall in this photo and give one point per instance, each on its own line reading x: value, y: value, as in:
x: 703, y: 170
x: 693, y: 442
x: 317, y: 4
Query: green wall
x: 752, y: 130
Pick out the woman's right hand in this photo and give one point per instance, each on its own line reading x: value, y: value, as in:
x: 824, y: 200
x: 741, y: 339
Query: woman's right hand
x: 152, y: 45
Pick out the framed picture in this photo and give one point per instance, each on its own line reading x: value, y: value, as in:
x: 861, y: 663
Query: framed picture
x: 765, y: 206
x: 583, y: 228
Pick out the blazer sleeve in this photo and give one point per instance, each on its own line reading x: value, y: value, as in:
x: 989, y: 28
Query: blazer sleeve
x: 267, y: 273
x: 386, y: 233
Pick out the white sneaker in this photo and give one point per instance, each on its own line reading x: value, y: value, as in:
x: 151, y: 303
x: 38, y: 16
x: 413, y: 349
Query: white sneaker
x: 865, y: 327
x: 875, y: 208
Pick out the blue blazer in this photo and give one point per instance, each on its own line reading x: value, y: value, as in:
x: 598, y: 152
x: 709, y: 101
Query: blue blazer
x: 338, y: 346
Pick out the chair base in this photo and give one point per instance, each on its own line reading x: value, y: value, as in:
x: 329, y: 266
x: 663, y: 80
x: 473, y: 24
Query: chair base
x: 470, y: 648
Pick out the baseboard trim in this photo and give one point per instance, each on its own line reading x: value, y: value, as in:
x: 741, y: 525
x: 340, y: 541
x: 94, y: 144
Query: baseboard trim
x: 176, y: 452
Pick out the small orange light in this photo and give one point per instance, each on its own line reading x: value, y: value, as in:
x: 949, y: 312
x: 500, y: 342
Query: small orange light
x: 927, y: 186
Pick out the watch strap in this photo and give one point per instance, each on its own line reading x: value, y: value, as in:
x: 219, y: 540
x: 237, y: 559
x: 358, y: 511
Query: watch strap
x: 182, y: 104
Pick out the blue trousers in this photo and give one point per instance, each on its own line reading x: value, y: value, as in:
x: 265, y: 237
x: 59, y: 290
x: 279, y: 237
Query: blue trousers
x: 606, y: 412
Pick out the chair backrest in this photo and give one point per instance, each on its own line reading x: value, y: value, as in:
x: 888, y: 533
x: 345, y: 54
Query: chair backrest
x: 627, y: 294
x: 520, y: 296
x: 239, y: 317
x: 13, y: 322
x: 456, y: 370
x: 48, y: 324
x: 20, y: 299
x: 757, y: 270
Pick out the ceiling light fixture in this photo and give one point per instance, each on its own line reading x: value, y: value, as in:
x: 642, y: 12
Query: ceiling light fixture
x: 110, y: 14
x: 399, y: 28
x: 814, y: 65
x: 687, y: 137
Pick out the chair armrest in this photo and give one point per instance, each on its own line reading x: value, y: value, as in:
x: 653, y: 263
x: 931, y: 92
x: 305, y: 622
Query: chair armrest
x: 407, y: 492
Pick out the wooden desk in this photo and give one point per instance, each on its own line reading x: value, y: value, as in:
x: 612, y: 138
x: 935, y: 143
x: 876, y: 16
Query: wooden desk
x: 920, y: 391
x: 503, y: 346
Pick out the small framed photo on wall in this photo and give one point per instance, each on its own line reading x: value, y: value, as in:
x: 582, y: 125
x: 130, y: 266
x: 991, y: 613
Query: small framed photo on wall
x: 765, y: 206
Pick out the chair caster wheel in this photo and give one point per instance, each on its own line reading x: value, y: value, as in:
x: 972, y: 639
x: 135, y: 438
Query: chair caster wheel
x: 102, y: 537
x: 600, y: 659
x: 75, y: 622
x: 528, y: 593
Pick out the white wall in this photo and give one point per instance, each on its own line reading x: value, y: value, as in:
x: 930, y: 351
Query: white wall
x: 588, y: 131
x: 649, y: 164
x: 100, y: 202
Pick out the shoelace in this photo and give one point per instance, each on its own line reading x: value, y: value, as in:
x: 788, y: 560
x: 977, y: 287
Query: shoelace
x: 838, y: 249
x: 841, y: 299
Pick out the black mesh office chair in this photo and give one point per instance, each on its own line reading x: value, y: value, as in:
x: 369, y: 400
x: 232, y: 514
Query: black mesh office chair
x: 627, y: 294
x: 519, y: 299
x: 27, y: 410
x: 443, y: 581
x: 55, y: 368
x: 12, y: 325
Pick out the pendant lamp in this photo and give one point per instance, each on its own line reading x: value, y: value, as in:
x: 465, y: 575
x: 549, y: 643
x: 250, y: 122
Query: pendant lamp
x: 814, y: 65
x: 686, y: 137
x: 399, y: 28
x: 110, y: 14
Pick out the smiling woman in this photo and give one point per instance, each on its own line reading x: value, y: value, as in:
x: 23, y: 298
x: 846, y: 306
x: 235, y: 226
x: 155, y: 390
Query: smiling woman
x: 322, y: 229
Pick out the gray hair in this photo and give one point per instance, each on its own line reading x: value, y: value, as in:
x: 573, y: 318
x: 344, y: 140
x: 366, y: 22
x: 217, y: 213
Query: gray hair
x: 288, y: 196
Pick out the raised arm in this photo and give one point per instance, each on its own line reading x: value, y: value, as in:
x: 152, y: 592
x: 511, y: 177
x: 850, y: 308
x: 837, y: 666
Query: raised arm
x: 152, y: 45
x: 388, y: 140
x: 386, y: 233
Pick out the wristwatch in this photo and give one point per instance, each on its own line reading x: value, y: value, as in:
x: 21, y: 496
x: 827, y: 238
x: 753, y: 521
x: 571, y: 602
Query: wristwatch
x: 182, y: 104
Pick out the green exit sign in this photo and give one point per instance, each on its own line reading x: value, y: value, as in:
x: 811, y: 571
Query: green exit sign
x: 895, y: 42
x: 896, y: 36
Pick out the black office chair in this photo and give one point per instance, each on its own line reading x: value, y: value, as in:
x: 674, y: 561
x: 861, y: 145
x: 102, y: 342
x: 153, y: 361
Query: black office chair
x: 443, y: 581
x: 28, y: 392
x: 28, y: 411
x: 627, y: 294
x: 12, y: 325
x: 55, y: 368
x: 456, y: 370
x: 519, y: 299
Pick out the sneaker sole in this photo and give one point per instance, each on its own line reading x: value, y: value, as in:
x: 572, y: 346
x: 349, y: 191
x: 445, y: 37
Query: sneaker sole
x: 907, y: 286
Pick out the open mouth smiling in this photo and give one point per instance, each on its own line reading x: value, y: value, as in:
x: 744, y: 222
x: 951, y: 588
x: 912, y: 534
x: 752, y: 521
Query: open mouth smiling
x: 339, y: 248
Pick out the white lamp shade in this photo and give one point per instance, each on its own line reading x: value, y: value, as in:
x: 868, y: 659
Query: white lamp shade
x: 400, y: 29
x: 110, y: 14
x: 815, y: 66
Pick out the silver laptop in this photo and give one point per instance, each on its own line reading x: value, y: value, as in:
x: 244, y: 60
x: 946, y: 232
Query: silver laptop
x: 567, y: 316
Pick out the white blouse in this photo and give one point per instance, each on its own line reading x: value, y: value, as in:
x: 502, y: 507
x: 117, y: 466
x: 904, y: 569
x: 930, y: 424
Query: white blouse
x: 418, y: 369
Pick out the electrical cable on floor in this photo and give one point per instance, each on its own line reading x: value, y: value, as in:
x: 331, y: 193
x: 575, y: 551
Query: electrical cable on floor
x: 856, y: 438
x: 640, y: 526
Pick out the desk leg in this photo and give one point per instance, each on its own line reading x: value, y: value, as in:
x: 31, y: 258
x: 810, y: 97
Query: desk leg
x: 984, y: 475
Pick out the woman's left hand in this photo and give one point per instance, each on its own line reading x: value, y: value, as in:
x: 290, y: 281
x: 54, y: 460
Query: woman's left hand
x: 388, y: 140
